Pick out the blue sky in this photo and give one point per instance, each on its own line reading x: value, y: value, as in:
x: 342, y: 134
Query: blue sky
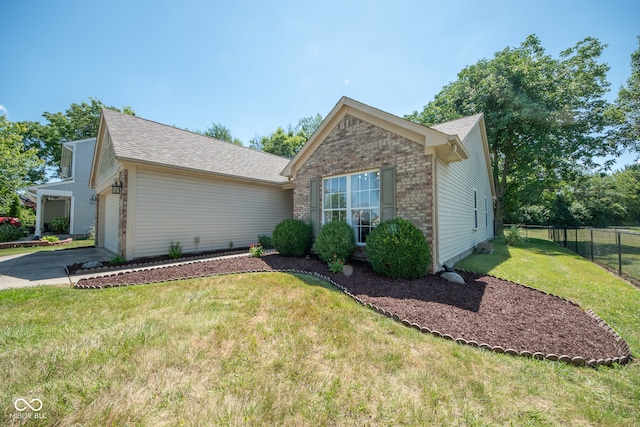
x: 253, y: 66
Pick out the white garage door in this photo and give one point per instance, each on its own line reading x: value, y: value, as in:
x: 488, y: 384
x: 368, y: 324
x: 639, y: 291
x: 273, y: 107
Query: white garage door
x: 111, y: 220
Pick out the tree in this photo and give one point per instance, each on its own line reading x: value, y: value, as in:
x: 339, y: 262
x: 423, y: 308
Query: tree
x: 219, y: 131
x: 308, y: 125
x: 16, y: 161
x: 628, y: 103
x: 79, y: 121
x: 543, y: 115
x: 287, y: 143
x: 281, y: 143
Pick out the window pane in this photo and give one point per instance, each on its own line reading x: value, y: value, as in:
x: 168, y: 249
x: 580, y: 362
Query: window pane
x: 366, y: 179
x: 375, y: 217
x: 374, y: 200
x: 342, y: 202
x: 327, y: 201
x: 375, y: 180
x: 355, y: 183
x: 355, y: 200
x: 342, y: 184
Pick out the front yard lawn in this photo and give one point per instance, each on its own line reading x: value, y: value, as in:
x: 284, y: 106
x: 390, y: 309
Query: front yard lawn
x: 281, y: 349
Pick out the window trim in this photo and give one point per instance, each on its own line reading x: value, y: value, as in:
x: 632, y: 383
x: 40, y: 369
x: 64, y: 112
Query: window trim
x: 349, y: 208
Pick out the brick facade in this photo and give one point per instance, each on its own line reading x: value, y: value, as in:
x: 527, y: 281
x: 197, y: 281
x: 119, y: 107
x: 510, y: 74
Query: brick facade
x: 355, y: 145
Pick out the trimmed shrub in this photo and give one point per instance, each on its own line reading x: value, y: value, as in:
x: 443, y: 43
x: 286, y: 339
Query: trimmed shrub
x: 398, y: 249
x: 335, y: 238
x: 10, y: 233
x: 292, y: 237
x: 265, y: 241
x: 60, y: 225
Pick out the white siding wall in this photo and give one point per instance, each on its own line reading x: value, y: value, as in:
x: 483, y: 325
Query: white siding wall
x: 171, y: 207
x: 84, y: 211
x: 455, y: 184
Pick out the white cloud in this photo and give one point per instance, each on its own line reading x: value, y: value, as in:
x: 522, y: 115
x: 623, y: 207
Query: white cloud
x: 3, y: 110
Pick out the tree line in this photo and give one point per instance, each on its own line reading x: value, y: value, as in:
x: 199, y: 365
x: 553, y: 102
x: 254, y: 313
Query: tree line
x: 546, y: 121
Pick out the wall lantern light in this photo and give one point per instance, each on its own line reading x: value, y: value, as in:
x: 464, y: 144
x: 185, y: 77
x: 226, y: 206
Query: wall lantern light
x: 93, y: 199
x: 116, y: 188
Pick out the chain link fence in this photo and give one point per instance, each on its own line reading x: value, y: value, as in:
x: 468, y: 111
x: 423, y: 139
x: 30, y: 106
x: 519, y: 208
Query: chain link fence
x: 615, y: 249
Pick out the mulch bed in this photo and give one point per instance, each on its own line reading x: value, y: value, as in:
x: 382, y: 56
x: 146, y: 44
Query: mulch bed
x: 486, y: 312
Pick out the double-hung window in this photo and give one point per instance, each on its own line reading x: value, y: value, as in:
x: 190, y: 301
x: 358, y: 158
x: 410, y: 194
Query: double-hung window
x: 355, y: 199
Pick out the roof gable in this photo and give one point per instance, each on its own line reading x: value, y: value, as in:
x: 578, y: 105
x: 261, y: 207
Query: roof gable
x: 143, y: 141
x: 444, y: 145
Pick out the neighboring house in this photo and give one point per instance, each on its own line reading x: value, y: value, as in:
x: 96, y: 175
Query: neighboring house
x: 364, y: 165
x: 71, y: 197
x: 179, y: 186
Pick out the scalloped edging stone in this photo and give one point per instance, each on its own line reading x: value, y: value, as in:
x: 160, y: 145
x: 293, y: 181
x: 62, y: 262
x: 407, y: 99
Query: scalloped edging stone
x: 622, y: 345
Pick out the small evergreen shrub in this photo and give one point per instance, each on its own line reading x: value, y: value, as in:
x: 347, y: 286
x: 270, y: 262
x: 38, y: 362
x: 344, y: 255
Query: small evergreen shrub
x: 336, y: 239
x: 265, y: 241
x: 292, y: 237
x: 175, y: 250
x: 398, y: 249
x: 10, y: 233
x: 51, y: 239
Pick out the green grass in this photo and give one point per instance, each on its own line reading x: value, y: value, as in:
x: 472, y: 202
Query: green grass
x: 279, y: 349
x: 83, y: 243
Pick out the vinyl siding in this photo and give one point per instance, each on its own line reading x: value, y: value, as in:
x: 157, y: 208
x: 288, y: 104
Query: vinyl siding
x: 174, y: 207
x: 85, y: 212
x: 108, y: 164
x: 455, y: 210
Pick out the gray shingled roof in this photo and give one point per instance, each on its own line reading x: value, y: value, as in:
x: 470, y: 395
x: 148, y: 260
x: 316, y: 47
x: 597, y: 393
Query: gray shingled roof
x: 141, y: 140
x: 460, y: 127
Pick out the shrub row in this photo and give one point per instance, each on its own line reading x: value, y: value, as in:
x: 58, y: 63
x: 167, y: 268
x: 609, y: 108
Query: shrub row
x: 395, y: 248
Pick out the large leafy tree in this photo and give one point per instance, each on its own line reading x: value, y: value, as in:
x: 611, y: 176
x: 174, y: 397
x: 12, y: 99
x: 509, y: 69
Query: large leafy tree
x: 281, y: 143
x: 219, y: 131
x: 79, y: 121
x: 288, y: 143
x: 628, y: 103
x: 16, y: 161
x: 543, y: 114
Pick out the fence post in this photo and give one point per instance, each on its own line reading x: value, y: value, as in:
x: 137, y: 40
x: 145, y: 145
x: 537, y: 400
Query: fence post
x: 591, y: 246
x: 619, y: 255
x: 565, y: 237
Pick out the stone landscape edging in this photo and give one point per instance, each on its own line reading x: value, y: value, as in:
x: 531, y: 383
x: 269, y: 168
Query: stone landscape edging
x: 622, y: 345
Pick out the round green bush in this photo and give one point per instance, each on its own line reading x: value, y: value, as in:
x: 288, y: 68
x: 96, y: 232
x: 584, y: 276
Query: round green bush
x: 10, y: 233
x: 292, y: 237
x: 398, y: 249
x: 335, y: 238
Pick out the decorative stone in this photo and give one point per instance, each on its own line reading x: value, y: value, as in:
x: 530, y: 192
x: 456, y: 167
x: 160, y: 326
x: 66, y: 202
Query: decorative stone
x: 92, y: 264
x: 452, y: 277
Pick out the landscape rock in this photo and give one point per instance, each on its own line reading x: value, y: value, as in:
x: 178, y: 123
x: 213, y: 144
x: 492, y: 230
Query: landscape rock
x: 92, y: 264
x: 452, y: 277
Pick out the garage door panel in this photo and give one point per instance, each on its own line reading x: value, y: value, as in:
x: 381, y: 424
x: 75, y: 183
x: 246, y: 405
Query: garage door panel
x: 112, y: 219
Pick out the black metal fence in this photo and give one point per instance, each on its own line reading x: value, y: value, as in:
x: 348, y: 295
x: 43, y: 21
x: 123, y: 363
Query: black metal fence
x: 616, y: 249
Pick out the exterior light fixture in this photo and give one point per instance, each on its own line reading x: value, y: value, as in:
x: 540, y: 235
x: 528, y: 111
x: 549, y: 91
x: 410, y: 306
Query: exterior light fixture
x: 93, y: 199
x: 116, y: 188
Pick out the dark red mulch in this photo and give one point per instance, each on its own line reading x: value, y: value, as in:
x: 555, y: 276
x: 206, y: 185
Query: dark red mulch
x: 485, y: 309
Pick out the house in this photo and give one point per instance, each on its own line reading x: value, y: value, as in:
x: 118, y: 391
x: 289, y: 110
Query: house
x: 364, y: 165
x: 157, y: 184
x: 70, y: 198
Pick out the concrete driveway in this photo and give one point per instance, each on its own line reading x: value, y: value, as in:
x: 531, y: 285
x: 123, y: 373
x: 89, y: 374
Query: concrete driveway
x: 46, y: 267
